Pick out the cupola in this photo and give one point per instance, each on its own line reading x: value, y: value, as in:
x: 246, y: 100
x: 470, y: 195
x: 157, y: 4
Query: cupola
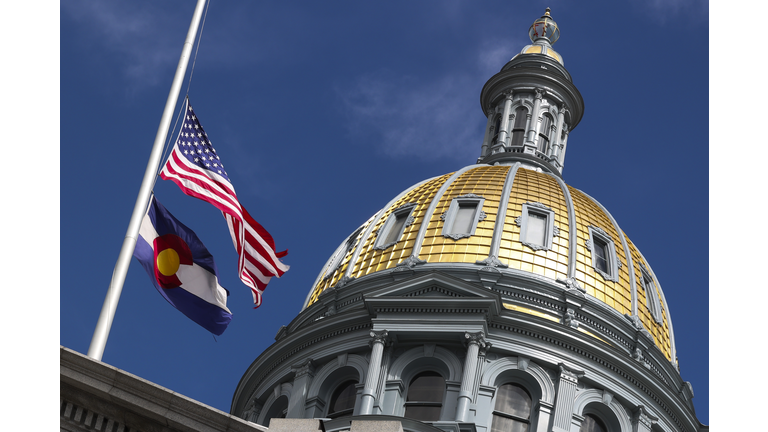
x: 531, y: 105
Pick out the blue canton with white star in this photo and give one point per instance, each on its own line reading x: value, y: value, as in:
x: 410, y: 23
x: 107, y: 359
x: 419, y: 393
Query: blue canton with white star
x: 196, y: 147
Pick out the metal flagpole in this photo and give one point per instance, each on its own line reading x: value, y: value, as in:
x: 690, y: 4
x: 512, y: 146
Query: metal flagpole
x: 101, y: 333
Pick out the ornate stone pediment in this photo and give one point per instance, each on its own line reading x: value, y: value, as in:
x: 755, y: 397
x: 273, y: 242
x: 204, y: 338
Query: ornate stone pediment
x: 423, y: 303
x: 432, y: 284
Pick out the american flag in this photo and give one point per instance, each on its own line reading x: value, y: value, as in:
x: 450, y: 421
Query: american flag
x: 197, y: 169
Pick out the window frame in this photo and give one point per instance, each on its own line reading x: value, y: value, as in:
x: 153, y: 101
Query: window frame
x: 334, y: 394
x: 518, y: 127
x: 495, y: 412
x: 405, y: 211
x: 550, y: 230
x: 419, y: 403
x: 449, y: 216
x: 612, y: 263
x: 597, y: 419
x: 652, y: 300
x: 496, y: 130
x: 545, y: 134
x: 276, y: 409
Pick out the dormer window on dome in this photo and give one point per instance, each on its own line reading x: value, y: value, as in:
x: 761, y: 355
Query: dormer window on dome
x: 462, y: 216
x: 651, y: 297
x: 342, y: 252
x: 537, y: 226
x: 603, y: 250
x: 393, y: 228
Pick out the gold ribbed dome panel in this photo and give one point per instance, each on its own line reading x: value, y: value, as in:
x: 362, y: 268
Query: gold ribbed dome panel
x: 531, y: 186
x: 528, y: 186
x: 617, y: 295
x: 486, y: 182
x: 372, y: 260
x: 660, y: 332
x: 540, y: 49
x: 339, y: 272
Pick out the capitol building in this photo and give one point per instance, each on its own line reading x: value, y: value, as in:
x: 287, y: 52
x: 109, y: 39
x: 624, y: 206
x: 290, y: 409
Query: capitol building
x: 492, y: 298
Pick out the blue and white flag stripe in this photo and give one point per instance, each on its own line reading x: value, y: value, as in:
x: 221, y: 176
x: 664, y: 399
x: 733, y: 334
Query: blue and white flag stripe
x: 193, y: 287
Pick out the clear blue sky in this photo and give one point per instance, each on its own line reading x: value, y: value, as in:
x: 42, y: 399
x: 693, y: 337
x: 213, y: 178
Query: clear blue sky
x: 324, y: 111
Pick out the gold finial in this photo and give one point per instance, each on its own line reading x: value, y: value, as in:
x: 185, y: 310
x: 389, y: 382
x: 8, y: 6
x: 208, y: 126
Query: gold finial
x: 547, y: 12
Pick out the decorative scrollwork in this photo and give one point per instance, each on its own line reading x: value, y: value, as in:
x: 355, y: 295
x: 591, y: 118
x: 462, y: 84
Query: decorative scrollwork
x: 601, y: 232
x: 569, y: 318
x: 411, y: 261
x: 572, y: 284
x: 470, y: 195
x: 492, y: 261
x: 477, y: 338
x: 457, y: 236
x: 379, y: 337
x: 534, y: 246
x: 344, y: 281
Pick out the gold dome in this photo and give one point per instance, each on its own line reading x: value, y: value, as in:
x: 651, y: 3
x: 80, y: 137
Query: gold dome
x: 543, y: 49
x: 362, y: 254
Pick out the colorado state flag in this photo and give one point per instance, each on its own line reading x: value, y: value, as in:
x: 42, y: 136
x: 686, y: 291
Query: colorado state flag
x: 182, y: 269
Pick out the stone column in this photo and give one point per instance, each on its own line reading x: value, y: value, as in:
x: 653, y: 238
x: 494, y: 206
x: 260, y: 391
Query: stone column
x: 544, y: 413
x: 504, y: 128
x: 303, y: 374
x: 563, y: 145
x: 488, y: 135
x: 475, y: 341
x: 557, y: 144
x: 374, y: 369
x: 530, y: 144
x: 566, y: 395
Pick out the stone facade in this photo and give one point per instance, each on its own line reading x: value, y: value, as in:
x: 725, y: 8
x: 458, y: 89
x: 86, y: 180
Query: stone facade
x: 98, y: 397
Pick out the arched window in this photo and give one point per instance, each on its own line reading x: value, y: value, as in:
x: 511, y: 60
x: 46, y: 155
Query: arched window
x: 425, y: 397
x: 512, y: 410
x: 592, y: 424
x: 544, y: 133
x: 496, y: 128
x: 518, y: 128
x: 343, y: 400
x: 278, y: 409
